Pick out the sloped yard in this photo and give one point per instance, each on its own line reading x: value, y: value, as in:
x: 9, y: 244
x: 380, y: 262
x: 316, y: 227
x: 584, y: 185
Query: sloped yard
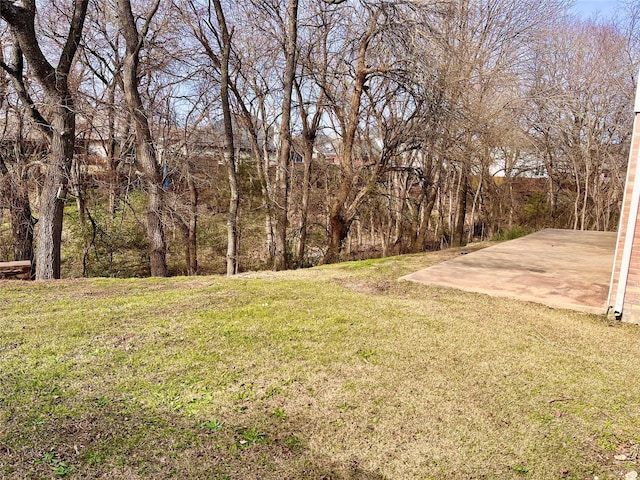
x: 339, y: 372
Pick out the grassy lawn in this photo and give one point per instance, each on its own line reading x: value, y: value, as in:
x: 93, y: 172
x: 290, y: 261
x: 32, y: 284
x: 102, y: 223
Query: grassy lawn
x: 337, y: 372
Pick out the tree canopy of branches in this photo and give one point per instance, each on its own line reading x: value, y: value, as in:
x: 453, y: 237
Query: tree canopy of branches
x: 204, y: 136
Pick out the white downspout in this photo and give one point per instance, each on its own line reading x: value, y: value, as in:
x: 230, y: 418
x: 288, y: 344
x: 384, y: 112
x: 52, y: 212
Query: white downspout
x: 632, y: 219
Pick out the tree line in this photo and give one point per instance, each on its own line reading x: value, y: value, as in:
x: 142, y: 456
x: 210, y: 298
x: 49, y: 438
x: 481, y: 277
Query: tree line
x: 286, y: 133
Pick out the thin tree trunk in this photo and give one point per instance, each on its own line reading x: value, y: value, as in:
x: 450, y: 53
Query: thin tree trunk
x: 454, y: 191
x: 462, y: 208
x: 22, y: 229
x: 114, y: 181
x: 192, y: 239
x: 284, y: 159
x: 585, y: 196
x: 576, y: 203
x: 262, y: 157
x: 425, y: 215
x: 78, y: 191
x: 309, y: 132
x: 304, y: 207
x: 229, y: 148
x: 399, y: 182
x: 476, y: 196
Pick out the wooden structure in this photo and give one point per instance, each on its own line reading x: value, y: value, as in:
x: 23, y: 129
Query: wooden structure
x: 20, y: 270
x: 624, y: 290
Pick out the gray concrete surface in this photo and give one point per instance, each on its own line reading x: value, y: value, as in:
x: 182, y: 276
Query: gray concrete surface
x: 559, y: 268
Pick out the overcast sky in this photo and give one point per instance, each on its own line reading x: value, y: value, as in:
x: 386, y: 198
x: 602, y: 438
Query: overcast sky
x: 585, y: 8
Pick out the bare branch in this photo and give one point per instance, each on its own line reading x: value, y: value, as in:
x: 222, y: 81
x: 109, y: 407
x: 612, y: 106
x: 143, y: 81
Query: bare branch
x: 15, y: 71
x: 73, y: 38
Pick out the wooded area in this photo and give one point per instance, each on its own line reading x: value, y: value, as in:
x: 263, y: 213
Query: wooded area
x: 209, y: 136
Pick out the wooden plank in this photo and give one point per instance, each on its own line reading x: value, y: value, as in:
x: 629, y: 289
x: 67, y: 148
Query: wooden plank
x: 20, y: 263
x: 20, y: 270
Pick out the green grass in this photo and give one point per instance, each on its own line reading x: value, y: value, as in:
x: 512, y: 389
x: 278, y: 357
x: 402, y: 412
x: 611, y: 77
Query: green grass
x: 337, y: 372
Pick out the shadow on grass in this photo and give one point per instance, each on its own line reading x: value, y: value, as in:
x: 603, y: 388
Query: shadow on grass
x: 121, y: 440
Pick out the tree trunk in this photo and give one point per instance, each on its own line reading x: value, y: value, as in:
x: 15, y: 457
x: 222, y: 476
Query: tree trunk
x: 263, y: 158
x: 309, y: 134
x: 145, y: 150
x: 155, y: 228
x: 339, y: 229
x: 338, y: 222
x: 78, y: 191
x: 304, y: 207
x: 232, y: 223
x: 284, y: 158
x: 585, y: 198
x: 22, y: 228
x: 462, y: 209
x: 61, y: 130
x: 229, y: 148
x: 189, y: 228
x: 399, y: 182
x: 474, y: 205
x: 112, y: 153
x: 192, y: 239
x: 54, y: 192
x: 425, y: 215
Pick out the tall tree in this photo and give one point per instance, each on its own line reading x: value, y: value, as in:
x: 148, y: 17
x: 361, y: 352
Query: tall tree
x: 60, y: 128
x: 283, y: 167
x: 204, y: 26
x: 354, y: 91
x: 145, y: 147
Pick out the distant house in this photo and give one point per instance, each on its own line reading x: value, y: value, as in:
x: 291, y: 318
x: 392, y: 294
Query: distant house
x: 624, y: 290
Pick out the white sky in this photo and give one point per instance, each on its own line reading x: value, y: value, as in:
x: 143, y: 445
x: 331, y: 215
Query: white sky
x: 586, y: 8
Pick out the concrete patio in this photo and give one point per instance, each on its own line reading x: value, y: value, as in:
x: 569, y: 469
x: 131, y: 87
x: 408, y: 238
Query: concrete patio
x: 559, y: 268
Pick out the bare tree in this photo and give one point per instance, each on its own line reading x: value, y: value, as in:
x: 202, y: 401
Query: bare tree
x: 145, y: 148
x: 277, y: 192
x: 284, y: 158
x: 229, y: 148
x: 579, y: 121
x: 14, y: 175
x: 262, y: 91
x: 219, y: 55
x: 362, y: 34
x: 61, y: 128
